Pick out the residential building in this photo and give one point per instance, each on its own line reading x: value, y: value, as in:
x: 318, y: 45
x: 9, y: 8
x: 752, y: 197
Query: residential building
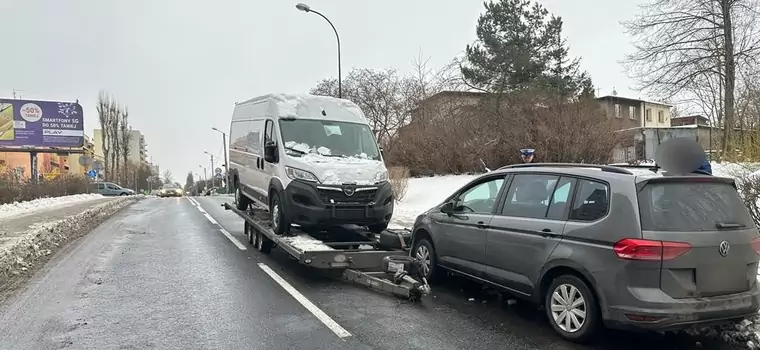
x: 694, y: 119
x: 73, y: 160
x: 445, y: 104
x: 138, y: 149
x: 637, y: 112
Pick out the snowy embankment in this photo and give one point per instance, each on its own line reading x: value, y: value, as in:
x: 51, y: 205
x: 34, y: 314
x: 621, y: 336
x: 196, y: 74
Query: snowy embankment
x: 42, y: 204
x: 21, y: 252
x: 424, y: 193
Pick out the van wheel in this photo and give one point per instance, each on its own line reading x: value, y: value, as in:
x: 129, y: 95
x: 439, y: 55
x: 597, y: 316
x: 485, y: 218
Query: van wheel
x: 425, y: 253
x: 280, y: 223
x: 241, y: 201
x: 377, y: 228
x: 572, y: 309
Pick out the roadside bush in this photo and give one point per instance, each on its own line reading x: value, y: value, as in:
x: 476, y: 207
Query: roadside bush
x: 453, y: 136
x: 13, y: 189
x: 399, y: 179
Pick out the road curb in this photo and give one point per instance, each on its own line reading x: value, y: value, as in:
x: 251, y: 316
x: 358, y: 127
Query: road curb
x: 19, y: 259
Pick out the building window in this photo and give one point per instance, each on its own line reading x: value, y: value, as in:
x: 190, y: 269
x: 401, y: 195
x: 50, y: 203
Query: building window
x: 660, y: 116
x: 631, y: 112
x: 648, y: 114
x: 617, y: 110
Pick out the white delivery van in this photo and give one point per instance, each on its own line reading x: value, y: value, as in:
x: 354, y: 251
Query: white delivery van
x: 312, y: 160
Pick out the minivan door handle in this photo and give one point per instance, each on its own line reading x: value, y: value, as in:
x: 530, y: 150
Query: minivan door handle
x: 547, y: 233
x: 481, y: 224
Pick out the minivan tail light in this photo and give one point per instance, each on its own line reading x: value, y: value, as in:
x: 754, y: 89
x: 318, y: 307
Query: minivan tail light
x: 647, y: 250
x: 756, y: 244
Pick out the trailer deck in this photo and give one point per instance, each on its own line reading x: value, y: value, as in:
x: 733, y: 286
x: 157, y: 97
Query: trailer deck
x: 354, y: 250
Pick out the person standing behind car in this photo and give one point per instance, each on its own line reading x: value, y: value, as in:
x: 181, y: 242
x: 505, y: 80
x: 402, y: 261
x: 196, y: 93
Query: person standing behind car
x: 527, y: 155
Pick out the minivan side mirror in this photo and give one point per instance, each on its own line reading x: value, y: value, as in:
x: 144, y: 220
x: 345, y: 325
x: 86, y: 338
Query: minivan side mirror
x: 270, y: 152
x: 448, y: 207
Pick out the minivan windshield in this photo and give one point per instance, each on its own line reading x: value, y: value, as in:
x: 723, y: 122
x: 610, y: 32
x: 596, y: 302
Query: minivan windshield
x: 328, y: 138
x: 692, y: 206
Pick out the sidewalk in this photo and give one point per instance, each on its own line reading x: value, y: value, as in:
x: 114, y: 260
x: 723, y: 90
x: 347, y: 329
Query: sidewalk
x: 13, y: 226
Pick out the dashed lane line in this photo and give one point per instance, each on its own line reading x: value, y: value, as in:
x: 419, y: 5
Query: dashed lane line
x: 319, y: 314
x: 208, y: 217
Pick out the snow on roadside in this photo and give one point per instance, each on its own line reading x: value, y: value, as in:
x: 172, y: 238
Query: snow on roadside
x: 20, y: 254
x: 42, y: 204
x: 423, y: 193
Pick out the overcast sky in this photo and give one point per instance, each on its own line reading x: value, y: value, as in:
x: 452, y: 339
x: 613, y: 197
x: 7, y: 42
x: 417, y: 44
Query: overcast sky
x: 181, y: 65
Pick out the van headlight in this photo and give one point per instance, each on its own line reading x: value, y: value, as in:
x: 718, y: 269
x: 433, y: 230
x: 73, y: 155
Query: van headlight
x: 298, y: 174
x: 383, y: 176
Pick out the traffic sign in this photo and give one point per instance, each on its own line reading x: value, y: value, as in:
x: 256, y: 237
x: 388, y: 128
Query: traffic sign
x: 97, y: 165
x: 218, y: 171
x: 85, y: 160
x: 92, y: 173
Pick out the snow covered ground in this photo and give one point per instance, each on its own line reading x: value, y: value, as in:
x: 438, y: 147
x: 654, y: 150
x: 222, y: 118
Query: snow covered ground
x: 424, y: 193
x: 42, y: 204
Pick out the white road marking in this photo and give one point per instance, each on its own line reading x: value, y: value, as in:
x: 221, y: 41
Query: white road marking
x: 233, y: 239
x: 319, y: 314
x: 226, y: 233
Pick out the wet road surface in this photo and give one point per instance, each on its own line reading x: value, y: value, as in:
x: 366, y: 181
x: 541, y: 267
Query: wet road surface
x: 177, y: 273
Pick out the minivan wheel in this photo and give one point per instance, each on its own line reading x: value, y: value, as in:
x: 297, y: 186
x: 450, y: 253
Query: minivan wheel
x: 280, y: 224
x: 572, y: 308
x: 424, y: 252
x: 241, y: 201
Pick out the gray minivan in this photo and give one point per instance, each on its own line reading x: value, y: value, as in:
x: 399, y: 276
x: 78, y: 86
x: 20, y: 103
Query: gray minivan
x: 600, y: 245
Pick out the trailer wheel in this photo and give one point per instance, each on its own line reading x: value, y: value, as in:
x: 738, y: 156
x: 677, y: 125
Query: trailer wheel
x: 263, y: 243
x: 280, y: 223
x: 248, y: 229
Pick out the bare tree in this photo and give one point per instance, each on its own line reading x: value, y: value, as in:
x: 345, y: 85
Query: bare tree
x: 168, y: 177
x: 113, y: 131
x: 125, y: 131
x: 683, y: 44
x: 104, y: 116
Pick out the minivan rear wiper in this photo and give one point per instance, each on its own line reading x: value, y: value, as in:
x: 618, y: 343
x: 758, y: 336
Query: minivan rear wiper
x: 722, y: 225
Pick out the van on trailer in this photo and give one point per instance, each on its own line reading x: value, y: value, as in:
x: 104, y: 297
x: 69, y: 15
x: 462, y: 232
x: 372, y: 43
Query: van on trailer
x: 311, y: 160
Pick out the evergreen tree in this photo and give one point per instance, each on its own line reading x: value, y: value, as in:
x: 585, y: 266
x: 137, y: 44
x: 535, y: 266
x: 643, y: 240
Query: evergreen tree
x: 189, y: 181
x: 519, y: 47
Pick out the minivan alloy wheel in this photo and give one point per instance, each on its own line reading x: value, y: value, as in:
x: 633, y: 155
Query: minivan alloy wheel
x: 568, y: 308
x: 423, y: 255
x: 275, y: 215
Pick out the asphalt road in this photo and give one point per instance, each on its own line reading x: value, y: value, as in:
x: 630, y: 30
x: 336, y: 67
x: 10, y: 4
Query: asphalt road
x: 170, y: 274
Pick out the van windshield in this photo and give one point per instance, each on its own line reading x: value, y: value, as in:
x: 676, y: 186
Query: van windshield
x: 692, y: 206
x: 328, y: 138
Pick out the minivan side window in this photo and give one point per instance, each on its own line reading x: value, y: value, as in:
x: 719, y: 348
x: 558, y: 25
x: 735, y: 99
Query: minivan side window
x: 481, y: 198
x: 591, y: 201
x: 561, y: 198
x: 529, y: 195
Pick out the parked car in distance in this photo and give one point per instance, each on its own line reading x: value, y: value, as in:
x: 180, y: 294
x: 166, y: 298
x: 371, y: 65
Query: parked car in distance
x: 170, y: 191
x: 600, y: 245
x: 110, y: 189
x: 311, y: 160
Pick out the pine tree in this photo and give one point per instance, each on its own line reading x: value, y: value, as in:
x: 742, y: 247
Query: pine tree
x: 520, y: 46
x: 189, y: 181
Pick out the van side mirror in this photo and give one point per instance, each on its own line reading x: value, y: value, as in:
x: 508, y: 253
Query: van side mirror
x: 270, y: 152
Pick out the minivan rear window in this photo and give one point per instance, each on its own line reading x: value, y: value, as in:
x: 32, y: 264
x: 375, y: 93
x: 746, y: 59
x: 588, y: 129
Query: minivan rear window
x: 691, y: 206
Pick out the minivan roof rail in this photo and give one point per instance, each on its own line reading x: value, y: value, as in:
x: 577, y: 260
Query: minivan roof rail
x: 607, y: 168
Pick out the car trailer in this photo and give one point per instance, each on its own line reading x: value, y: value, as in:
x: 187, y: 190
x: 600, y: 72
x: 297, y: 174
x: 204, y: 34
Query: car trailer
x: 382, y: 264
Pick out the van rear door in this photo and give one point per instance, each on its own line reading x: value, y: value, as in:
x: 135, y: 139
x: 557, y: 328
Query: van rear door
x: 709, y: 240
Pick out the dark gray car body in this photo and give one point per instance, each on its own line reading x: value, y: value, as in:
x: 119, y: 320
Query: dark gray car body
x: 523, y: 255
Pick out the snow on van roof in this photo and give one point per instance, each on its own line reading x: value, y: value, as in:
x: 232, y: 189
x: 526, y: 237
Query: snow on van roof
x: 303, y: 106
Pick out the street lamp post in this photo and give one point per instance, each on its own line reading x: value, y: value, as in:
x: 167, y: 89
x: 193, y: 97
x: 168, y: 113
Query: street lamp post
x: 305, y: 8
x: 213, y: 174
x: 226, y: 163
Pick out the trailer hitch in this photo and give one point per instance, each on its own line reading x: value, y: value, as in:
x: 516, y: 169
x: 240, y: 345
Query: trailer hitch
x: 406, y: 272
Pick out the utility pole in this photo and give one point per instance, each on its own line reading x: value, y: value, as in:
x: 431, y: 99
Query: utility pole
x: 226, y: 164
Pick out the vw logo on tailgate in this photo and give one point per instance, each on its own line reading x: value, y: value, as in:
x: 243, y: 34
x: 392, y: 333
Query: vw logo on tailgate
x: 723, y: 248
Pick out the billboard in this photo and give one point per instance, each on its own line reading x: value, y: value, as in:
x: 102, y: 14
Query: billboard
x: 41, y: 124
